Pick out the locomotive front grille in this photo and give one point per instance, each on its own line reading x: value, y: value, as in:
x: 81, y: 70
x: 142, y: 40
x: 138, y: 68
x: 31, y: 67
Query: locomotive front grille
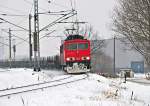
x: 80, y: 64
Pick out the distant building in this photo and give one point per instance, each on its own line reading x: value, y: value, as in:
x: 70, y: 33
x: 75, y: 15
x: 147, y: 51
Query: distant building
x: 125, y: 57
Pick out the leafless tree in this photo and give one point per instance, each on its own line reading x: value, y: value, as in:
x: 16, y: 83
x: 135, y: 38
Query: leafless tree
x: 96, y: 42
x: 132, y: 20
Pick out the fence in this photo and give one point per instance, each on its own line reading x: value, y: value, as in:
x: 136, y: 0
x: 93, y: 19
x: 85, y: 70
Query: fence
x: 45, y: 63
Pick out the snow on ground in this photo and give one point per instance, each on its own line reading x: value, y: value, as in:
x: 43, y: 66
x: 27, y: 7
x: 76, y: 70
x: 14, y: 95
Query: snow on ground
x: 139, y: 75
x: 93, y: 91
x: 10, y: 78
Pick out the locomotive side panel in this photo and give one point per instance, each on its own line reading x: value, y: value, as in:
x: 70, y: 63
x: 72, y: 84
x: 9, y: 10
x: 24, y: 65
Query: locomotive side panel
x: 62, y: 62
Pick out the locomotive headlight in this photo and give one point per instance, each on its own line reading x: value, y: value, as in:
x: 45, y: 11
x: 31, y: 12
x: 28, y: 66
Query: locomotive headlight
x: 67, y: 59
x: 85, y: 58
x: 88, y: 58
x: 70, y: 58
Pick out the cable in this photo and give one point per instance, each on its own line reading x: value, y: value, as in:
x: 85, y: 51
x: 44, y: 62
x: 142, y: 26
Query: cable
x: 3, y: 44
x: 63, y: 11
x: 21, y: 42
x: 48, y: 34
x: 59, y: 20
x: 3, y: 14
x: 55, y: 13
x: 16, y: 36
x: 14, y: 24
x: 19, y: 24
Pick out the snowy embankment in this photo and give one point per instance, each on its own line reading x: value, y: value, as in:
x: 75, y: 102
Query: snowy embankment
x: 93, y: 91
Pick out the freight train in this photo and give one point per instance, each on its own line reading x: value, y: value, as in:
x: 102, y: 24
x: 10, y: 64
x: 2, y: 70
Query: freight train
x: 75, y: 54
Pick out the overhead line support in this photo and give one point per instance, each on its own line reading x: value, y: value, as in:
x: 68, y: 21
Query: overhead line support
x: 36, y: 38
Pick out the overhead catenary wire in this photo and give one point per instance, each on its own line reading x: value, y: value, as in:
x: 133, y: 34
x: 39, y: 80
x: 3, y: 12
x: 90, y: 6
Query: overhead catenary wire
x: 18, y: 24
x: 13, y: 24
x: 18, y: 15
x: 15, y: 15
x: 55, y: 13
x: 4, y: 44
x: 16, y: 36
x: 64, y: 17
x: 48, y: 34
x: 21, y: 42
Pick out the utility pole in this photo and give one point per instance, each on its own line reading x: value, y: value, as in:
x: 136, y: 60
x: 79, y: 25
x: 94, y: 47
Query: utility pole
x: 10, y: 48
x: 114, y: 56
x: 30, y: 44
x: 14, y: 49
x: 36, y: 38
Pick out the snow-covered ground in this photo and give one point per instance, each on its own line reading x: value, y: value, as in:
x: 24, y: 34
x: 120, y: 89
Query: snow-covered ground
x: 93, y: 91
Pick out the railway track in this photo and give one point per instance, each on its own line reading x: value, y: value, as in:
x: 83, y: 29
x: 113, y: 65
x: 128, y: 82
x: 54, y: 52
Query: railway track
x: 43, y: 85
x: 30, y: 85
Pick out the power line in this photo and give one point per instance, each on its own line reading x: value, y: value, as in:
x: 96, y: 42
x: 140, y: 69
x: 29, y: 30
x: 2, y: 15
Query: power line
x: 4, y: 44
x: 13, y: 24
x: 23, y: 20
x: 54, y: 36
x: 55, y: 13
x: 18, y: 15
x: 64, y: 17
x: 48, y: 34
x: 16, y: 36
x: 17, y: 30
x: 18, y: 22
x: 19, y: 43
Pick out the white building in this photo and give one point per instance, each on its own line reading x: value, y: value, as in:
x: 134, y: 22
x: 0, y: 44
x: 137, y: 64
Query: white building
x: 125, y: 57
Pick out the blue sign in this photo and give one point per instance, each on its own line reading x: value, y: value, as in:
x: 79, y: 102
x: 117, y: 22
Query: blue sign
x: 137, y: 66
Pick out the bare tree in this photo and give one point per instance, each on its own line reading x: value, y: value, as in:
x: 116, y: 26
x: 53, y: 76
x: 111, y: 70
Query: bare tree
x: 132, y: 20
x: 96, y: 42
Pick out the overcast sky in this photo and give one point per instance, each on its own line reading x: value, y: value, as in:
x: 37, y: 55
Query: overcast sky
x: 96, y: 12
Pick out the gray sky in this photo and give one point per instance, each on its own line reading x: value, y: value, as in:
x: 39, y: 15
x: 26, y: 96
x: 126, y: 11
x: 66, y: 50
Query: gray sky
x: 95, y: 12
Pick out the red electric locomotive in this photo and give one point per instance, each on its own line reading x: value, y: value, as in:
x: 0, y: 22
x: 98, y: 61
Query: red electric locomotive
x: 75, y: 54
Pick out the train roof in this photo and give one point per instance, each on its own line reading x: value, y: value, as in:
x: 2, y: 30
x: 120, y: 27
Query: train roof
x: 73, y: 37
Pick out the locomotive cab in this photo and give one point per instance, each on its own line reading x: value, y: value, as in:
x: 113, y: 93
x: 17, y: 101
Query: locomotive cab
x: 75, y: 54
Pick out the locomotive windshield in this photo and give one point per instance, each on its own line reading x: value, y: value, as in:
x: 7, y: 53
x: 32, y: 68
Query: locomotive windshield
x: 72, y: 46
x: 79, y: 46
x: 82, y: 46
